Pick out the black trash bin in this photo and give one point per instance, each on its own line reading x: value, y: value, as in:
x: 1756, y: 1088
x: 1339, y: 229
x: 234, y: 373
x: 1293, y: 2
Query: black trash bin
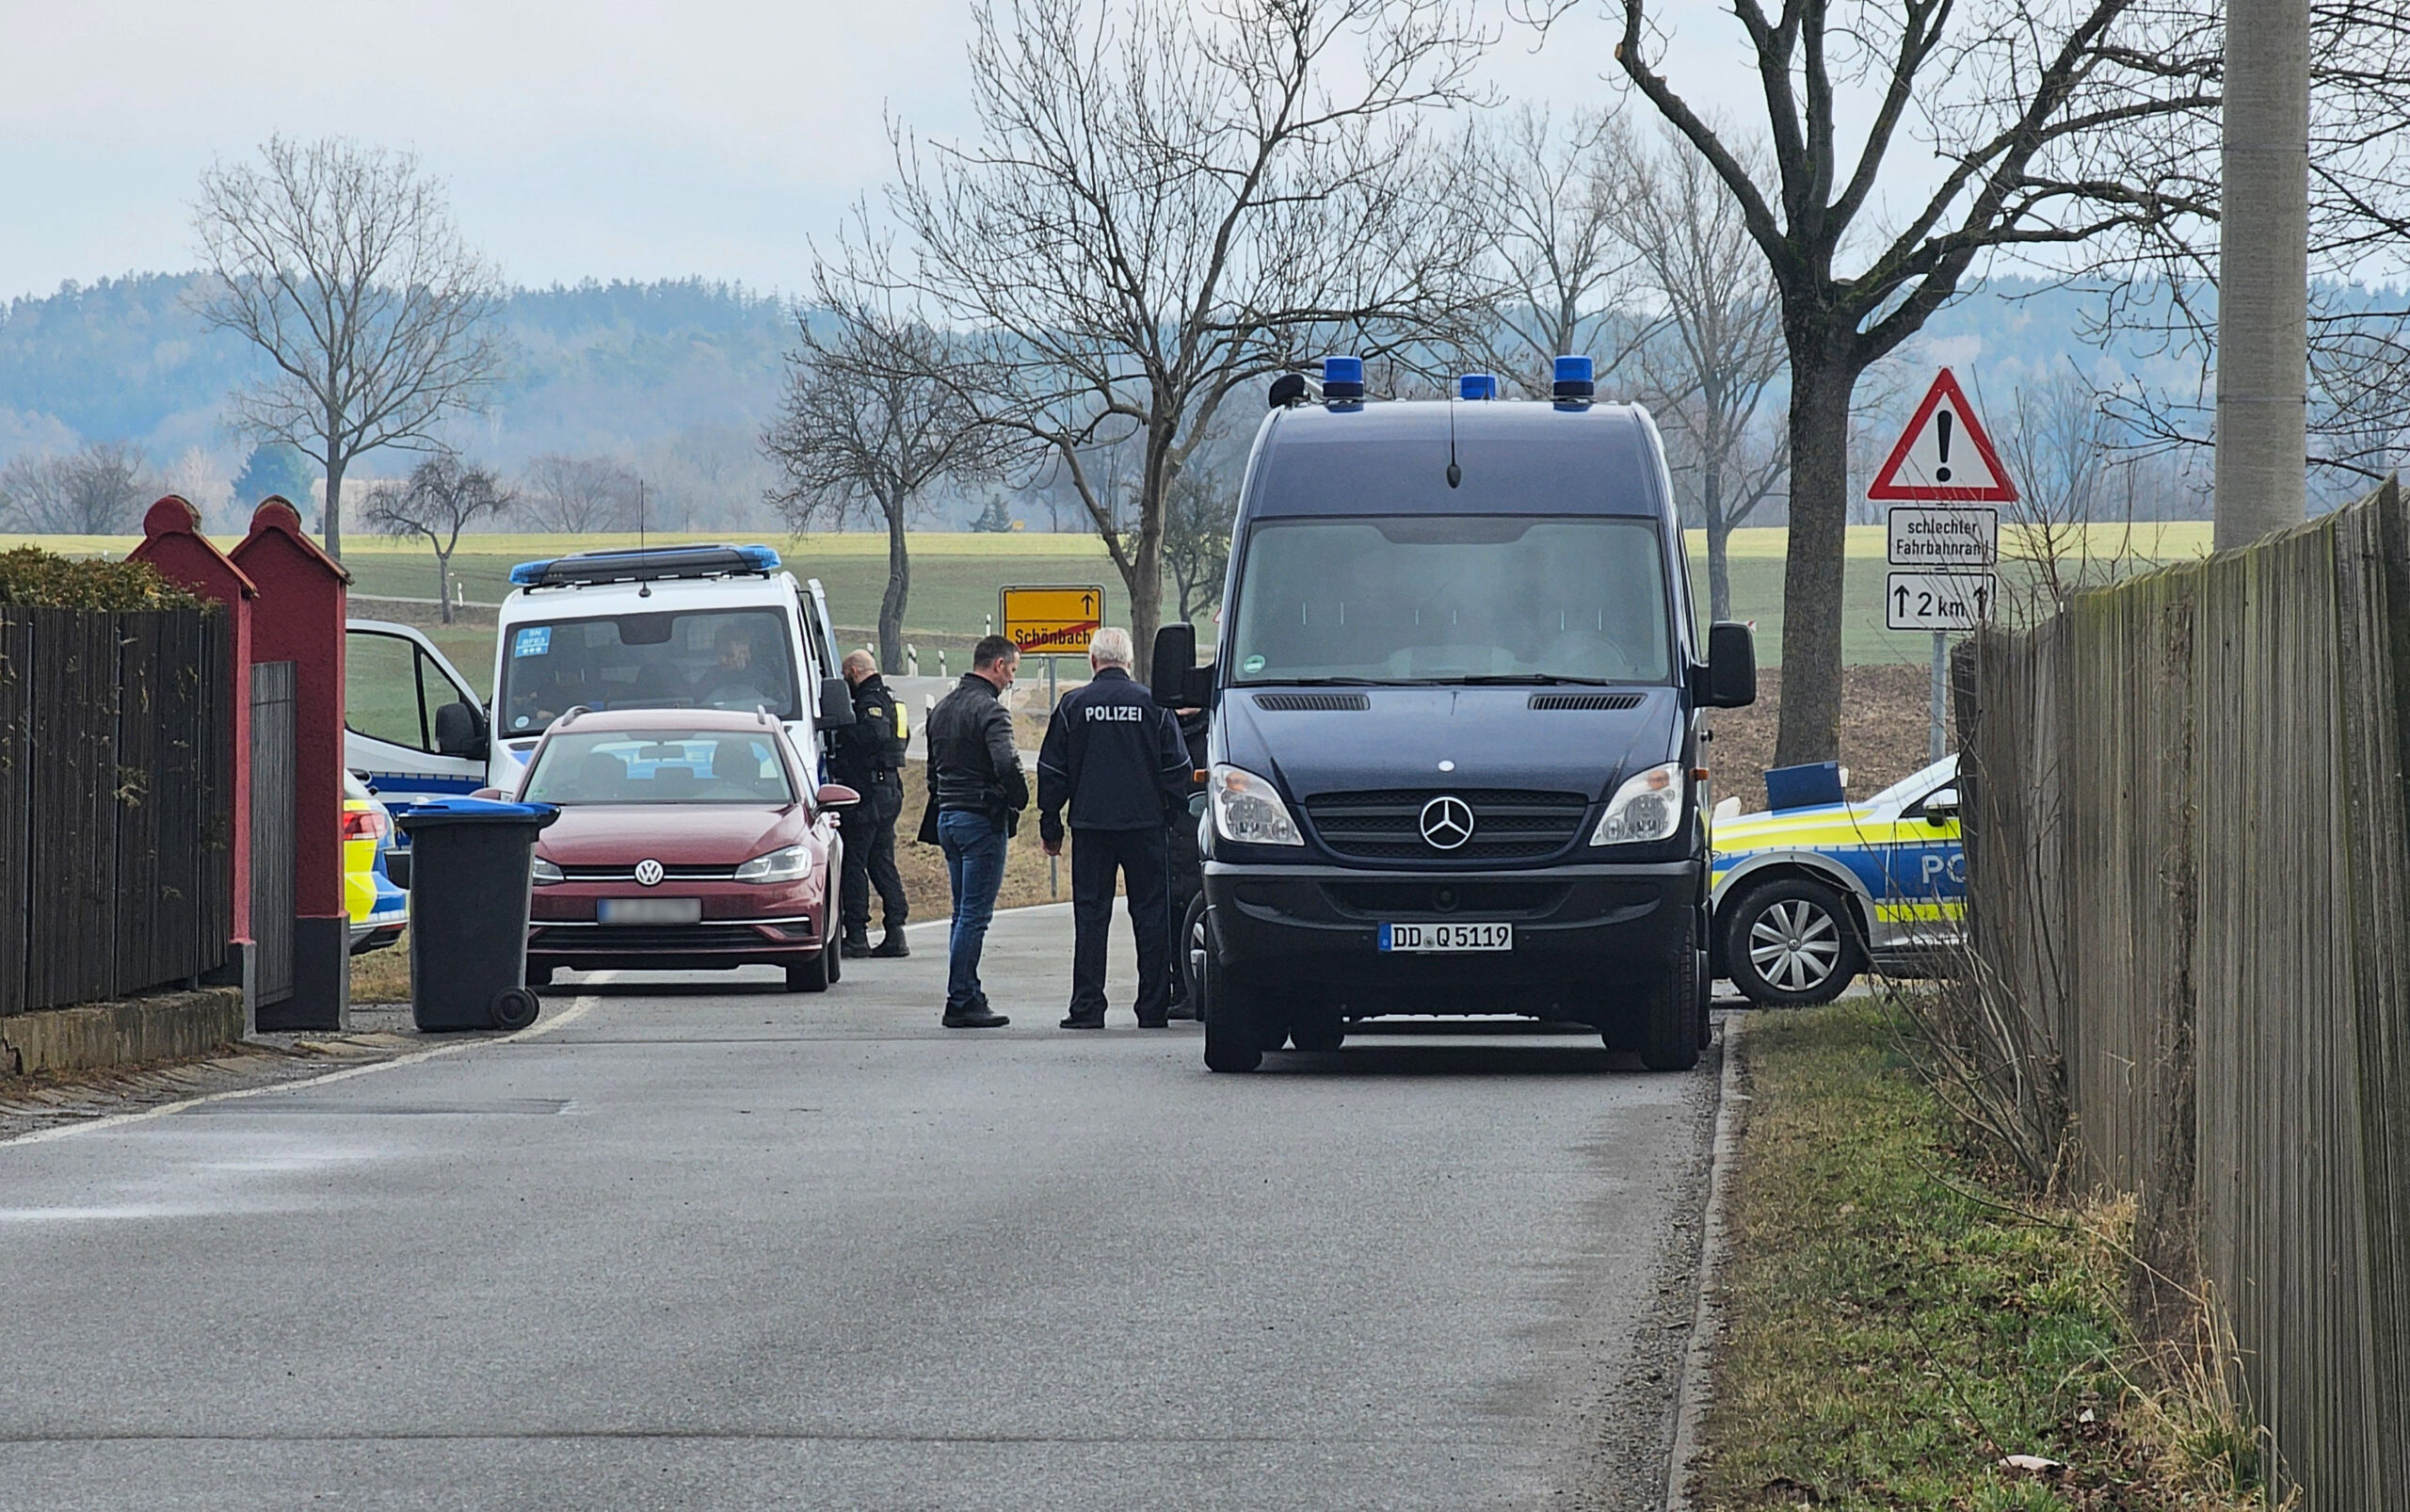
x: 471, y: 872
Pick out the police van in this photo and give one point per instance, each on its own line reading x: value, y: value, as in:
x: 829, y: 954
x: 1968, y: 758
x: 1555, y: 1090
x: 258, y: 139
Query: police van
x: 1454, y: 752
x: 718, y: 627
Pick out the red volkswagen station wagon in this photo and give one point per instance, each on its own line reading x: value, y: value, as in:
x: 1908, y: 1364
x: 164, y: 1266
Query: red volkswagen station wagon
x: 689, y: 839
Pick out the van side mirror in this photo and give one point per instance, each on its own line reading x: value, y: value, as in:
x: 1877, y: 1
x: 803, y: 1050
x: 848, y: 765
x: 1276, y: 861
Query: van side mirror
x: 1174, y: 658
x: 836, y: 703
x: 1731, y: 671
x: 460, y: 731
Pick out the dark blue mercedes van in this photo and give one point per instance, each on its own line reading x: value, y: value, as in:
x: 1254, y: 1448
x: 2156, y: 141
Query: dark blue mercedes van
x: 1455, y: 740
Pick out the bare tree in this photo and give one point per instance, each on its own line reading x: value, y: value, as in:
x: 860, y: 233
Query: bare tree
x: 1711, y: 363
x: 1169, y: 202
x: 875, y: 415
x: 1555, y: 204
x: 1204, y: 507
x: 2047, y: 123
x: 341, y: 264
x: 100, y: 491
x: 580, y: 495
x: 443, y: 497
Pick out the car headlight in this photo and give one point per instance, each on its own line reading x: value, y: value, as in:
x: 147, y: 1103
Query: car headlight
x: 786, y: 865
x: 547, y: 873
x: 1248, y: 810
x: 1648, y: 807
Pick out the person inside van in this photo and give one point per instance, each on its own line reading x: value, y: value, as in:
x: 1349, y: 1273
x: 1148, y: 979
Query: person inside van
x: 732, y: 681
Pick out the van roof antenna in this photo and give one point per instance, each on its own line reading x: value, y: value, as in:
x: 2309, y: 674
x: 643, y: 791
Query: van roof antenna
x: 1456, y: 474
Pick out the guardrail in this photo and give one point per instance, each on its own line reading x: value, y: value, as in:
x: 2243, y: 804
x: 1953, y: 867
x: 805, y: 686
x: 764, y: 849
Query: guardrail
x: 2189, y: 850
x: 115, y: 801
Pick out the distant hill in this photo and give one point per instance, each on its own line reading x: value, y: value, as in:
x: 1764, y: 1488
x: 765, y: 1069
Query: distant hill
x: 675, y: 379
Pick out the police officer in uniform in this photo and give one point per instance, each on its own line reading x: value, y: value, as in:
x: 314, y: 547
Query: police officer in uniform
x: 869, y: 758
x: 1116, y: 761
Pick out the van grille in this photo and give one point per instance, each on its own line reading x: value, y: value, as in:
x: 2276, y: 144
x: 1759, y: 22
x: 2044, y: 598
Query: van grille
x: 1508, y: 824
x: 1584, y: 701
x: 1326, y: 702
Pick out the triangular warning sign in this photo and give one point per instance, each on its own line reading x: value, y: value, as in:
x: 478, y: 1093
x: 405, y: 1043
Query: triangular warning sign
x: 1945, y: 455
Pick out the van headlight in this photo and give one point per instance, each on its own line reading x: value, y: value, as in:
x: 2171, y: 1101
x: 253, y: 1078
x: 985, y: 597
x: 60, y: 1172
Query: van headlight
x: 546, y: 873
x: 778, y: 866
x: 1648, y: 807
x: 1248, y: 810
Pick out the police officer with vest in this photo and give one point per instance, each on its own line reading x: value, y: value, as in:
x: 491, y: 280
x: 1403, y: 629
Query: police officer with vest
x: 869, y: 758
x: 1116, y: 761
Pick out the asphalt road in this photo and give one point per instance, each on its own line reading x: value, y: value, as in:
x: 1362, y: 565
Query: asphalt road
x: 714, y: 1245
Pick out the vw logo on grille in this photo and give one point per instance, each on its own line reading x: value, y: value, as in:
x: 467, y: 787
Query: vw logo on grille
x: 1447, y: 822
x: 648, y: 873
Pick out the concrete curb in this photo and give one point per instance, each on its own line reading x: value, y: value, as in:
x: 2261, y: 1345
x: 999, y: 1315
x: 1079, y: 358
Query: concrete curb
x: 98, y: 1035
x: 1708, y: 1317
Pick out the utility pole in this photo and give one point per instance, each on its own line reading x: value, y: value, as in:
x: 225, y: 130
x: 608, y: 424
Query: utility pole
x: 2263, y: 273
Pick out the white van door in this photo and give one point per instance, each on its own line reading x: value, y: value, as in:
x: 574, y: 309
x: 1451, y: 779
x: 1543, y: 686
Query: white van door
x: 412, y: 727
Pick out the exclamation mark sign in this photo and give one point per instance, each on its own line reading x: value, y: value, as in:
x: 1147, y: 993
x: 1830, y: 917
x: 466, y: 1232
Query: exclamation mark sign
x: 1942, y: 420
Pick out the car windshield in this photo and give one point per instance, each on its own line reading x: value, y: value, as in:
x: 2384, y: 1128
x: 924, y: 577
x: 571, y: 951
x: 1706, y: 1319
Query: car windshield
x: 659, y: 766
x: 1918, y: 785
x: 1452, y: 599
x: 708, y: 659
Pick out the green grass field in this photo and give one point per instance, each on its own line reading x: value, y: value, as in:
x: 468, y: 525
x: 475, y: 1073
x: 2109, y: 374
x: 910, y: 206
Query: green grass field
x: 955, y: 576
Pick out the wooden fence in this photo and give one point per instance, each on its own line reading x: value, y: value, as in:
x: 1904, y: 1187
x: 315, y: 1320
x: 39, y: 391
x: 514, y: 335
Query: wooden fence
x: 115, y: 801
x: 2189, y: 855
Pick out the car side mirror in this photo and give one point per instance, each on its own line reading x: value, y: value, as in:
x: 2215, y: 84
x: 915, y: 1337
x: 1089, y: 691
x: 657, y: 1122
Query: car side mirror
x: 836, y: 795
x: 491, y: 795
x: 460, y: 731
x: 1731, y: 671
x: 1174, y: 658
x: 836, y: 702
x: 1941, y: 807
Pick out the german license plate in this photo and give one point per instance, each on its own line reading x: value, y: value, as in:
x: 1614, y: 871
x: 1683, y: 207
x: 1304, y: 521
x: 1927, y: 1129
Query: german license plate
x: 650, y: 910
x: 1437, y: 939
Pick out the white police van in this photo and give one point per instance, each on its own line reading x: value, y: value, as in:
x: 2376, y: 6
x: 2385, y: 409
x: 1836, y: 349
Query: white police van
x: 719, y: 627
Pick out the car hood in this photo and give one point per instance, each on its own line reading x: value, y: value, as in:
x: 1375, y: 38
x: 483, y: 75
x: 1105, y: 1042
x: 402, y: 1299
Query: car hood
x: 1493, y: 735
x: 693, y: 834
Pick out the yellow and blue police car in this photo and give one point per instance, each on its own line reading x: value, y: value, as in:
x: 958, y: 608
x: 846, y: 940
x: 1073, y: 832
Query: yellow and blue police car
x: 1806, y: 898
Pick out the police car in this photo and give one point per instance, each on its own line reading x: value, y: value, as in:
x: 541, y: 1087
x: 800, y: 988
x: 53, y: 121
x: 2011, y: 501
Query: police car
x: 1808, y: 897
x: 672, y: 627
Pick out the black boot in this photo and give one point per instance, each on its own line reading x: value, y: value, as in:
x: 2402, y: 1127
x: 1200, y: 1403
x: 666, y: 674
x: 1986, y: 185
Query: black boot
x: 857, y: 943
x: 892, y: 945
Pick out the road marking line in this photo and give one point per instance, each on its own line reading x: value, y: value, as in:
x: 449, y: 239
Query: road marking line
x: 577, y: 1009
x: 1690, y: 1403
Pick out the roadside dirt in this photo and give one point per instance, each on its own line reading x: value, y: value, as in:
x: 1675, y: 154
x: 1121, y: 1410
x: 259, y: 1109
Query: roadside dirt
x: 1886, y: 715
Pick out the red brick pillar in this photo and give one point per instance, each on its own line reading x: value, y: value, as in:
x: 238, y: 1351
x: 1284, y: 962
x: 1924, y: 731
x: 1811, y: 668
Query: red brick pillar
x: 172, y: 543
x: 299, y: 617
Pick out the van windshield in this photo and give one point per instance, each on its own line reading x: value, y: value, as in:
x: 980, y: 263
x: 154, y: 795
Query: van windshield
x: 1452, y: 599
x: 708, y: 659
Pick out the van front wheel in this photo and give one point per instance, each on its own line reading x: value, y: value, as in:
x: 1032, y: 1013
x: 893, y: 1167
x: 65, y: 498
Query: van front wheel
x: 1669, y: 1040
x: 1229, y: 1011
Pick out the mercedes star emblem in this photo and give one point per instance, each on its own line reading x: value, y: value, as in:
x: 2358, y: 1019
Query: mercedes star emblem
x: 1447, y: 822
x: 647, y: 873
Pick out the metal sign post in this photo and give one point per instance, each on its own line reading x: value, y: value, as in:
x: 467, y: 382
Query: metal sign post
x: 1942, y: 478
x: 1045, y: 620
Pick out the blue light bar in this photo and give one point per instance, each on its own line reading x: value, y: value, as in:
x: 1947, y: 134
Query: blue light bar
x: 1343, y: 379
x: 1575, y: 378
x: 1477, y: 386
x: 586, y: 568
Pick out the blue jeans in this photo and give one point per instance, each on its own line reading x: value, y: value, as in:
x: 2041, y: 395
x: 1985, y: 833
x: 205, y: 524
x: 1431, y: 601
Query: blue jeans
x: 974, y: 866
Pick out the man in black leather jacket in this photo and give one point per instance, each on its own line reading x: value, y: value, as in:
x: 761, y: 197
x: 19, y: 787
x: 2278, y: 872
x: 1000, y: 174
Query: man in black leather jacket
x: 869, y: 758
x: 976, y: 792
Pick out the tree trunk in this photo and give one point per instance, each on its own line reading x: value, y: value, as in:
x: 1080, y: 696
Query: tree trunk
x: 1145, y: 577
x: 899, y: 591
x: 1719, y: 530
x: 1813, y: 562
x: 443, y: 584
x: 333, y: 532
x: 2263, y: 273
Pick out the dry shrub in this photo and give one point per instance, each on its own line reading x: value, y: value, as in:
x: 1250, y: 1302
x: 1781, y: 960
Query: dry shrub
x: 1996, y: 1069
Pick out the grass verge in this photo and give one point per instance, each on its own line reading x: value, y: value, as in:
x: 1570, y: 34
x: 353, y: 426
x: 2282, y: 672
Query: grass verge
x: 1897, y: 1327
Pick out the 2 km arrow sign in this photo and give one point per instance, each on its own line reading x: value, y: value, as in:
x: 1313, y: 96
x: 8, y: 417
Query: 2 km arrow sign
x: 1944, y: 457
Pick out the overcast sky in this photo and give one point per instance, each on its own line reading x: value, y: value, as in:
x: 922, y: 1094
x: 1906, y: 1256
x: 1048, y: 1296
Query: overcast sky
x: 597, y: 138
